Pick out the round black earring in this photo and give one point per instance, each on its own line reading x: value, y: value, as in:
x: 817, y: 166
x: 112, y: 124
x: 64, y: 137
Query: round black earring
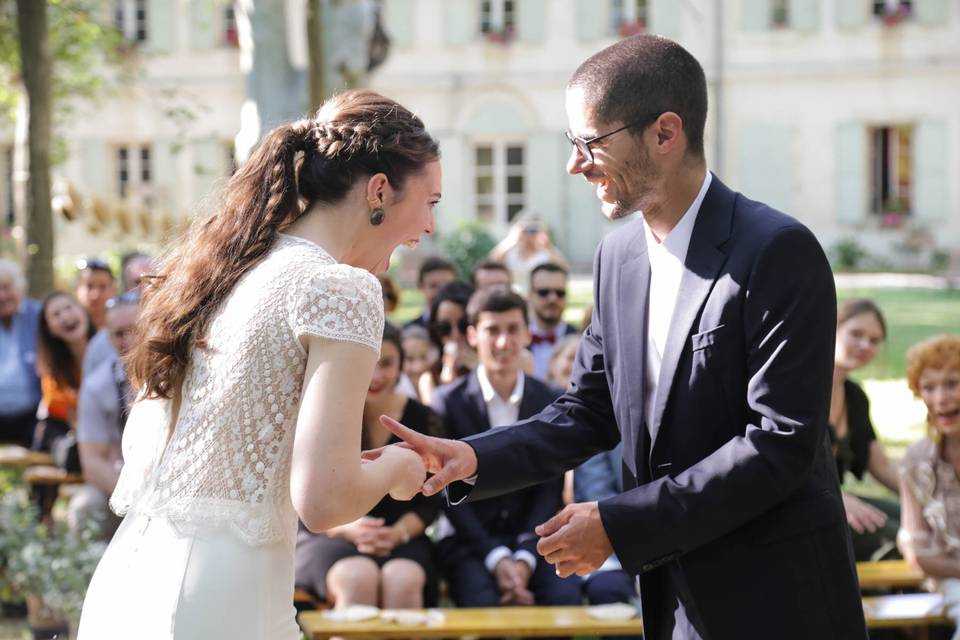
x: 377, y: 216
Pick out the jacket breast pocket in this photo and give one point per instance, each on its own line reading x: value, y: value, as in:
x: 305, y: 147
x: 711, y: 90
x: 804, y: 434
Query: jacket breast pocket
x: 709, y: 341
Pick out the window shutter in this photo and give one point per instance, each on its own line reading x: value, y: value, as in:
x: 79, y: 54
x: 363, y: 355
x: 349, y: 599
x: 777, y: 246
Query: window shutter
x: 932, y: 13
x: 461, y: 22
x: 97, y: 179
x: 765, y: 167
x: 755, y: 15
x: 851, y: 173
x: 592, y: 19
x: 931, y: 192
x: 852, y: 14
x: 666, y: 18
x: 804, y: 15
x: 161, y: 26
x: 398, y: 21
x: 531, y: 20
x: 205, y: 24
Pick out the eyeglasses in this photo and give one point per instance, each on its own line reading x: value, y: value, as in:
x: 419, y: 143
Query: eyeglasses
x: 543, y: 293
x: 443, y: 328
x: 583, y: 144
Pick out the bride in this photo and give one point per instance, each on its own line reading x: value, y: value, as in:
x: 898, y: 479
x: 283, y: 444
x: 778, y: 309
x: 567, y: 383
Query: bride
x: 257, y: 343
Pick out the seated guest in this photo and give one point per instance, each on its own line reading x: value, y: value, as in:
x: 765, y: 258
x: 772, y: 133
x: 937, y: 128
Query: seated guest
x: 391, y: 297
x: 94, y: 287
x: 490, y: 274
x: 490, y: 557
x: 19, y: 383
x: 419, y: 355
x: 383, y: 559
x: 65, y: 330
x: 102, y: 409
x: 860, y: 332
x: 564, y: 355
x: 930, y: 477
x: 434, y: 274
x: 448, y: 331
x: 134, y: 269
x: 548, y: 301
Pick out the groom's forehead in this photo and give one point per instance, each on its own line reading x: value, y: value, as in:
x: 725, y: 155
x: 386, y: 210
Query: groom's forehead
x: 581, y: 111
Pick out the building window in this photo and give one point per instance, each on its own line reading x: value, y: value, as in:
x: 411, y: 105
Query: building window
x: 230, y: 35
x: 130, y: 18
x: 890, y: 172
x: 892, y: 11
x: 499, y: 182
x: 780, y: 14
x: 134, y: 173
x: 497, y: 16
x: 628, y: 17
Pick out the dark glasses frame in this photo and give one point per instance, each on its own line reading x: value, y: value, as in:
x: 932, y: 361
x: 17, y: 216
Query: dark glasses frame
x: 583, y: 144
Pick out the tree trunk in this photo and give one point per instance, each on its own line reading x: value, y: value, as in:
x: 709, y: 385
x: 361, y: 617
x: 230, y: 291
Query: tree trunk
x: 37, y: 62
x: 316, y: 67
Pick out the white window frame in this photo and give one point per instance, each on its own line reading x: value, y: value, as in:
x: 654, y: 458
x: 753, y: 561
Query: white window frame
x: 140, y: 170
x: 500, y: 200
x: 497, y: 14
x: 624, y: 12
x: 132, y: 17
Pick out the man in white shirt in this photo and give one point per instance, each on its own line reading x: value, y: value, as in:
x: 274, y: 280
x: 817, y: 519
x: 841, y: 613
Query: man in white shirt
x: 490, y: 558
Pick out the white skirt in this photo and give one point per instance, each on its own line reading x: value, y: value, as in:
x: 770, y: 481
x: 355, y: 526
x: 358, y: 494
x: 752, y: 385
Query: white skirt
x: 154, y: 583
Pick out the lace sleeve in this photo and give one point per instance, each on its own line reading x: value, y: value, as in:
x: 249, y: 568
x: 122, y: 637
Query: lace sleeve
x: 340, y: 303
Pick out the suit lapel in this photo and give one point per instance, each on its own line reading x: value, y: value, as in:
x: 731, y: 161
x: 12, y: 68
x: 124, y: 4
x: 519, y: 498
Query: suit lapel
x: 631, y: 321
x: 476, y: 403
x: 701, y: 266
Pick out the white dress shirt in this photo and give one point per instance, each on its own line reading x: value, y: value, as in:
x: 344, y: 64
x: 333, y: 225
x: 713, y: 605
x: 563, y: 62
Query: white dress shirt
x: 502, y: 412
x: 667, y: 258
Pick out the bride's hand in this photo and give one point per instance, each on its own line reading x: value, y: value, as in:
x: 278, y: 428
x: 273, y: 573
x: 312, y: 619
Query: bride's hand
x: 449, y: 460
x: 407, y: 470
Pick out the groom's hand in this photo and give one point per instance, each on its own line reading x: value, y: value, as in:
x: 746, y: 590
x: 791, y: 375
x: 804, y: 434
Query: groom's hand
x: 448, y: 460
x: 574, y: 540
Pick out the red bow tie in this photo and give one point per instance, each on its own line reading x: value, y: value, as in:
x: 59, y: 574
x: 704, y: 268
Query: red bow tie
x: 543, y: 338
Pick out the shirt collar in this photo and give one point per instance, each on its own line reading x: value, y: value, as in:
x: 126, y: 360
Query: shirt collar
x: 678, y: 239
x: 489, y: 393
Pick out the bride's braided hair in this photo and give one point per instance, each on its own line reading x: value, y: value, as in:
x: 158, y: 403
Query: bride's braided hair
x: 312, y: 160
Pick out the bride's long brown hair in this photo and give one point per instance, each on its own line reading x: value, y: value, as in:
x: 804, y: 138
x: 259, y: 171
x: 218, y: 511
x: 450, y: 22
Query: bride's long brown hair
x: 355, y: 134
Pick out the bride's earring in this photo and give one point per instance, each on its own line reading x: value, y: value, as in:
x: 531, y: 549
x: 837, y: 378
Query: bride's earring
x: 377, y: 216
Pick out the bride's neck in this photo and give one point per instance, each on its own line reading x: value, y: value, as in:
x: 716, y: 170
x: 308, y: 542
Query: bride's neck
x: 337, y: 228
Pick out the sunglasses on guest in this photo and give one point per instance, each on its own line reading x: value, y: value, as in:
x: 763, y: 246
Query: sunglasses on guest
x: 443, y: 328
x: 543, y: 293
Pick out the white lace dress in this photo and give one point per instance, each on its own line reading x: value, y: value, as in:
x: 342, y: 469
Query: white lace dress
x: 206, y: 547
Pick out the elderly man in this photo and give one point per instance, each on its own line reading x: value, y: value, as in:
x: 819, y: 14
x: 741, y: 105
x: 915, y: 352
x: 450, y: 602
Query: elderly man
x: 19, y: 384
x: 101, y: 414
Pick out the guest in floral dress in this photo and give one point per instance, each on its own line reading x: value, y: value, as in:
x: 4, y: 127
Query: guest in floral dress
x: 929, y: 485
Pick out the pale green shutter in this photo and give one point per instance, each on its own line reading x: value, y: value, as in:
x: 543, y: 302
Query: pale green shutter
x: 461, y: 21
x: 666, y: 18
x: 545, y: 175
x: 765, y: 164
x: 205, y: 24
x: 931, y: 191
x: 531, y: 20
x: 161, y: 26
x: 851, y: 172
x: 755, y: 15
x: 208, y: 169
x: 933, y: 13
x: 398, y: 22
x: 165, y: 173
x: 804, y: 15
x: 592, y: 19
x: 97, y: 165
x: 852, y: 14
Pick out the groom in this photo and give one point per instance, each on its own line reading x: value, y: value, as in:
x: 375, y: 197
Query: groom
x: 710, y: 358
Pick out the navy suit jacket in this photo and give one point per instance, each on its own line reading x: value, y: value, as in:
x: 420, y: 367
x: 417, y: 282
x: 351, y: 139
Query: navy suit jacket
x: 510, y: 518
x: 731, y: 498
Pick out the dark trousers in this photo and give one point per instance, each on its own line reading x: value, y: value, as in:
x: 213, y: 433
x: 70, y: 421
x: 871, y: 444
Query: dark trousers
x: 471, y: 585
x: 607, y: 587
x: 882, y: 543
x: 18, y: 428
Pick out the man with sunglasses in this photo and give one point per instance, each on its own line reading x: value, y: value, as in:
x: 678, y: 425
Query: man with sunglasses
x: 548, y: 301
x: 710, y: 358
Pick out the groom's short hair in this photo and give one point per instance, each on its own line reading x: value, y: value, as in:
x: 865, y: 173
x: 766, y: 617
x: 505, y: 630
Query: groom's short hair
x: 641, y: 77
x: 496, y: 299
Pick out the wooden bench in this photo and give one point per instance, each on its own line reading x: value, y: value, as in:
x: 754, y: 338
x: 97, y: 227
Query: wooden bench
x: 16, y: 456
x: 50, y: 476
x: 898, y: 610
x: 887, y: 574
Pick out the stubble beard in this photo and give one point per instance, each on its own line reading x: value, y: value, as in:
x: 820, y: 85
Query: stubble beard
x: 646, y: 174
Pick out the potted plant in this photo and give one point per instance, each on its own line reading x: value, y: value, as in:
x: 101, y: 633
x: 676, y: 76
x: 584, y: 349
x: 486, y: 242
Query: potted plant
x: 48, y: 566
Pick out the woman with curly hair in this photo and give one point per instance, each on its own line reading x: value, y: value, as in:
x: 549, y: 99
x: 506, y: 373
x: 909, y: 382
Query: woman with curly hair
x: 930, y: 479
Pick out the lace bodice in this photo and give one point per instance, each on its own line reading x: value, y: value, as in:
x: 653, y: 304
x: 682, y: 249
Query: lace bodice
x: 228, y: 461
